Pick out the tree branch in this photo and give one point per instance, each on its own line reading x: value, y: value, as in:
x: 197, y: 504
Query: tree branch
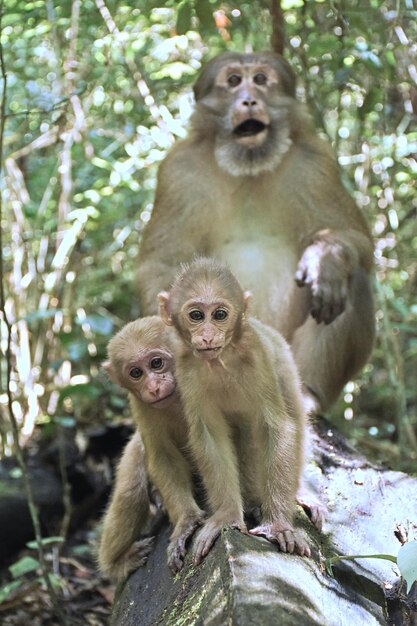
x: 278, y: 27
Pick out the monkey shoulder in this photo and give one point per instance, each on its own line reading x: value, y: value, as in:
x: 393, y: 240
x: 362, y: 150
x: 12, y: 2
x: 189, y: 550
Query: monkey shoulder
x: 271, y: 345
x: 191, y: 158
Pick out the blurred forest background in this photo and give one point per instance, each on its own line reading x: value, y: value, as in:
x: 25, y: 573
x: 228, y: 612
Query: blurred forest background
x: 97, y: 92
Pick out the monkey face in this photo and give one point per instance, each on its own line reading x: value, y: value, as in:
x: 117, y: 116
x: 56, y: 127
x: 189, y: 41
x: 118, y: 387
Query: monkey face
x: 141, y: 360
x: 150, y: 377
x: 206, y: 305
x: 207, y: 327
x: 245, y: 101
x: 247, y: 89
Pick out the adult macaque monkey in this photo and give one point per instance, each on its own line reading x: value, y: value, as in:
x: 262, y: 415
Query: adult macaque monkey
x: 254, y: 186
x: 141, y: 360
x: 242, y: 402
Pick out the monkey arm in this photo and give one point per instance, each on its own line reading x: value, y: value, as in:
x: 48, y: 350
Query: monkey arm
x: 283, y: 446
x: 327, y: 265
x: 171, y: 474
x: 211, y: 443
x: 127, y: 515
x: 213, y: 449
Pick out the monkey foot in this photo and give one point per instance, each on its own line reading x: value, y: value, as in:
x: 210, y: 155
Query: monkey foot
x: 177, y: 545
x: 286, y: 539
x: 208, y: 535
x: 314, y: 509
x: 136, y: 556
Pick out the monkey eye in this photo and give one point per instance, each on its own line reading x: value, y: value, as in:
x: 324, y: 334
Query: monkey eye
x: 260, y: 79
x: 157, y: 363
x: 196, y: 315
x: 135, y: 372
x: 234, y: 80
x: 220, y: 314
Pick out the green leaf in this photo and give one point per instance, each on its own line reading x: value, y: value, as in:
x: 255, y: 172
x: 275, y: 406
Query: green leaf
x: 6, y: 590
x: 24, y: 566
x: 407, y: 562
x: 33, y: 545
x: 183, y: 17
x: 85, y: 390
x: 286, y: 5
x: 352, y: 557
x: 98, y: 324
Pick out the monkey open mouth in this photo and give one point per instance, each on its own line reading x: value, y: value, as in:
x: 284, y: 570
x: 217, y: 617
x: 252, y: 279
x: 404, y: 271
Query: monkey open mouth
x: 248, y: 128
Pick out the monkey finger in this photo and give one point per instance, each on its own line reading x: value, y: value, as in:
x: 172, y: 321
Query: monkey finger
x: 316, y: 512
x: 176, y: 561
x: 289, y: 540
x: 301, y: 277
x: 203, y: 543
x: 302, y: 548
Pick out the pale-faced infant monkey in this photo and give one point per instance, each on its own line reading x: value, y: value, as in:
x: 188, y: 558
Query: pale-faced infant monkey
x: 241, y: 394
x: 141, y: 360
x: 255, y: 186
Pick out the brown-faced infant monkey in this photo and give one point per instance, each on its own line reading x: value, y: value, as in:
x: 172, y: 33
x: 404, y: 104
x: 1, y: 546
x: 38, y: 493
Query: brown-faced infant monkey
x: 255, y: 186
x: 141, y: 360
x: 242, y: 401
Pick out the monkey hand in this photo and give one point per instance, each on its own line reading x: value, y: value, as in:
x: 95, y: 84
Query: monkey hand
x: 284, y: 535
x: 209, y: 533
x: 183, y: 530
x: 324, y: 267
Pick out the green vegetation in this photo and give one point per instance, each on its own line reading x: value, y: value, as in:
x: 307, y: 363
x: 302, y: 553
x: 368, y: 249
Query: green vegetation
x: 96, y: 95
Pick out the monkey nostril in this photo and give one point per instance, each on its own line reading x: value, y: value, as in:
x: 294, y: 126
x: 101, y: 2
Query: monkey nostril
x: 249, y: 103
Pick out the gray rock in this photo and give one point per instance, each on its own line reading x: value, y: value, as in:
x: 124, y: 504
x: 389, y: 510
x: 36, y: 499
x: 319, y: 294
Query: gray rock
x: 245, y: 581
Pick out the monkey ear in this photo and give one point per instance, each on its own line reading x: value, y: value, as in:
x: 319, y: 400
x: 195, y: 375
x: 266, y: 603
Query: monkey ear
x: 247, y: 298
x: 109, y: 369
x: 163, y: 300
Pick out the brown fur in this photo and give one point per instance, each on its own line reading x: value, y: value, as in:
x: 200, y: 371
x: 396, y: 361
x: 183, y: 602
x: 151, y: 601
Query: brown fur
x: 273, y: 207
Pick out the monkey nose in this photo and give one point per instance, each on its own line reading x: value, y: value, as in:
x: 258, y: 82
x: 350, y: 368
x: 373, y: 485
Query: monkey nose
x: 249, y: 102
x: 154, y: 391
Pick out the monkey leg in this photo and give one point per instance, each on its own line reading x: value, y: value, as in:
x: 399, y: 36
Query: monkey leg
x: 328, y: 356
x: 128, y: 515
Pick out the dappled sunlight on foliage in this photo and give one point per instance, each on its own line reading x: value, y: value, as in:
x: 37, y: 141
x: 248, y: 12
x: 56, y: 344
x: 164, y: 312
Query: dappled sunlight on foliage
x: 97, y: 94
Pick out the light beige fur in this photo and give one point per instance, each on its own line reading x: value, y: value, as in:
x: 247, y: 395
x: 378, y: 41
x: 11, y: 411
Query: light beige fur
x: 157, y: 450
x: 242, y: 400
